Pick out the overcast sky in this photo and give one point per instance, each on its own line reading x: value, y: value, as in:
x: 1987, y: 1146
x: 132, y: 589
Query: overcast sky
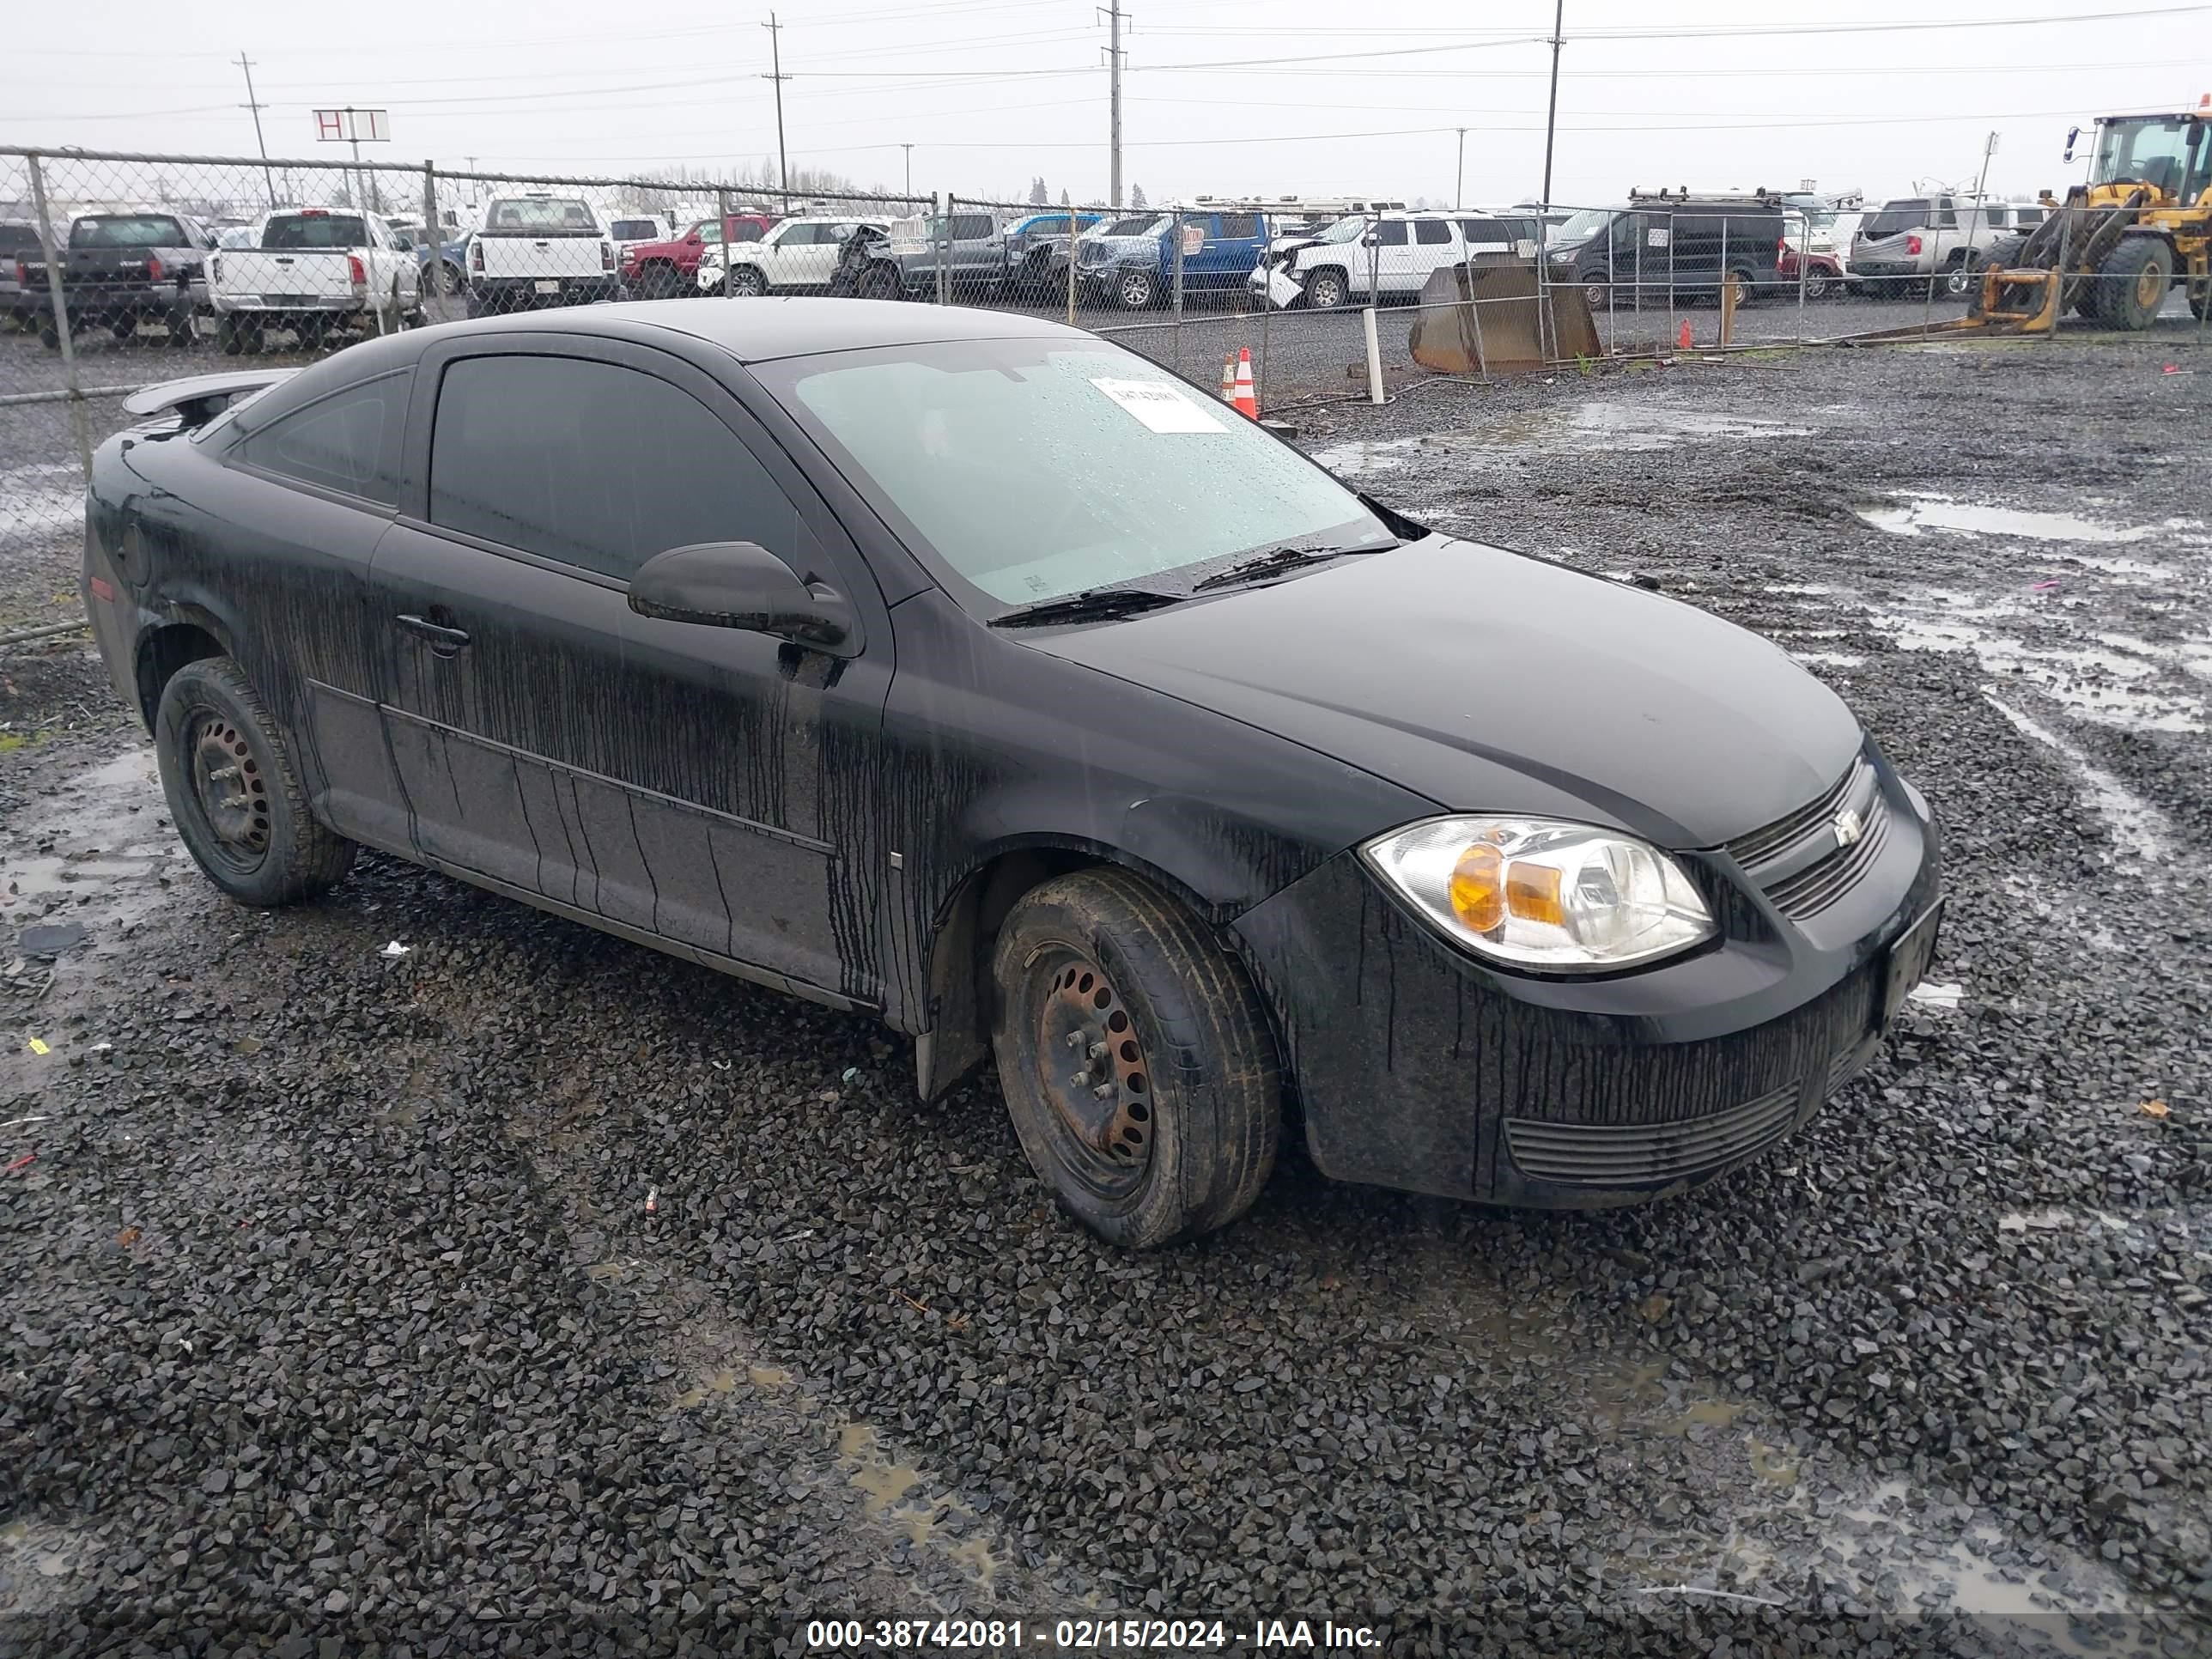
x: 990, y: 93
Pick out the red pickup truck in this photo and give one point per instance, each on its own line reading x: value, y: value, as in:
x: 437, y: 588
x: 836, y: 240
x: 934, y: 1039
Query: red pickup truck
x: 662, y: 271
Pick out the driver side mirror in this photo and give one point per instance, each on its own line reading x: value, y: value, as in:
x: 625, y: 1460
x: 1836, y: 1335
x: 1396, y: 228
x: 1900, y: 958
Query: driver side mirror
x: 742, y: 585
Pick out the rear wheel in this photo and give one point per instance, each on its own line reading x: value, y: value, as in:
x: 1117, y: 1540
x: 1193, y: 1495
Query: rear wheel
x: 2134, y: 279
x: 234, y: 792
x: 1958, y: 277
x: 1815, y: 285
x: 1137, y: 1065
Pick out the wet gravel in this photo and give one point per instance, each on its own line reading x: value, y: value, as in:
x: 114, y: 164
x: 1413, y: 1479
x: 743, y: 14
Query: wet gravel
x: 522, y: 1291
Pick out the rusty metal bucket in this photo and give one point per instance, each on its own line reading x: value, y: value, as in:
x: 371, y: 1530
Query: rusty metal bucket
x: 1492, y: 318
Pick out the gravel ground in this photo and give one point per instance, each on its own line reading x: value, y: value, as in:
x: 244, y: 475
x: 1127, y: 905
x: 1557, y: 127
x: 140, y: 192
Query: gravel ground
x: 527, y: 1292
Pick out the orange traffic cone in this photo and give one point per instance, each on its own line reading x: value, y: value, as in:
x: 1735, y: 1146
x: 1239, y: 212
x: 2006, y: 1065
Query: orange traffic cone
x: 1684, y: 342
x: 1247, y: 396
x: 1228, y: 379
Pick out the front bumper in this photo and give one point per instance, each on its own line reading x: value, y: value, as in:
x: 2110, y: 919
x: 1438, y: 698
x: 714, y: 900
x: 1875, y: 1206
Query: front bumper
x: 1420, y: 1068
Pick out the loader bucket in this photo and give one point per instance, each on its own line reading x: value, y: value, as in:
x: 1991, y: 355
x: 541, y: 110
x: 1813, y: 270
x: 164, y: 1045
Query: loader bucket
x: 2019, y: 302
x: 1491, y: 318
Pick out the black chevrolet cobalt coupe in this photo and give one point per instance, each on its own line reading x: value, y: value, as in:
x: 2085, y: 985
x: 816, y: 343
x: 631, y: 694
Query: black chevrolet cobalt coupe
x: 969, y: 670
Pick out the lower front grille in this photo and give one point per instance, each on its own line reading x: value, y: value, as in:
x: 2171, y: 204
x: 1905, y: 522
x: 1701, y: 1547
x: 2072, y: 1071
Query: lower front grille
x: 1638, y: 1154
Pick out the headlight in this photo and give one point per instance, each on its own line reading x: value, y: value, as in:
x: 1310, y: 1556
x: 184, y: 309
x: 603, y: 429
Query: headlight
x: 1542, y: 893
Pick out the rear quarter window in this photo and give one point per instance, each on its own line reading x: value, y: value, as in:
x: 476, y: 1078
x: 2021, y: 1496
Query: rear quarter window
x: 348, y: 441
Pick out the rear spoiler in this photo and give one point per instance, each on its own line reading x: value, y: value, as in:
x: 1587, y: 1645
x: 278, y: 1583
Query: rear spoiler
x: 200, y: 398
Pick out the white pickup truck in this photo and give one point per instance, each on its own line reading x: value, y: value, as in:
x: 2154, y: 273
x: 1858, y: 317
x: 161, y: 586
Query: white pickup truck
x: 313, y: 271
x: 539, y: 249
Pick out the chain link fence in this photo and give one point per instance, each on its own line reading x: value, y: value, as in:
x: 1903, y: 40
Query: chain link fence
x: 119, y: 270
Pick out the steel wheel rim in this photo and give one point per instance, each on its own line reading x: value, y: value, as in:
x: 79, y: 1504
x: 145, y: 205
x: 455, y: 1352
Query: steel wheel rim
x: 2150, y: 287
x: 1092, y: 1070
x: 229, y: 789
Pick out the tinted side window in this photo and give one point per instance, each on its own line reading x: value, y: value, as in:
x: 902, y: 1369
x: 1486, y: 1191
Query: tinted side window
x: 594, y: 466
x: 348, y: 441
x: 1391, y: 233
x: 799, y: 236
x: 1431, y: 232
x: 1239, y: 226
x: 1945, y: 218
x: 742, y: 232
x: 971, y: 226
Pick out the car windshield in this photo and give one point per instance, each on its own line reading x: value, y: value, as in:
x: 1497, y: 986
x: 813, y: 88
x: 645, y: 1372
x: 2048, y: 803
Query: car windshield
x: 1580, y: 227
x: 1027, y: 470
x: 1346, y: 229
x: 310, y: 230
x: 127, y: 230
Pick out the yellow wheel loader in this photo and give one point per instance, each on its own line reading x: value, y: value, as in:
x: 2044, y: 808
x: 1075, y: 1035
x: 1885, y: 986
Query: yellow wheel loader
x: 2142, y: 221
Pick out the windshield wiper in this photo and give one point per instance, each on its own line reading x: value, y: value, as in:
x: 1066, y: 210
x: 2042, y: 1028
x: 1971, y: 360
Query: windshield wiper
x: 1287, y: 556
x: 1092, y: 604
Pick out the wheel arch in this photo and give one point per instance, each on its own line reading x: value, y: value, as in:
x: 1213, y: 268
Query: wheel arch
x: 957, y: 1000
x: 189, y: 634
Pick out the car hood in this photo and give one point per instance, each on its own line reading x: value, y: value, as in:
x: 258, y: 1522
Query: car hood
x: 1486, y: 680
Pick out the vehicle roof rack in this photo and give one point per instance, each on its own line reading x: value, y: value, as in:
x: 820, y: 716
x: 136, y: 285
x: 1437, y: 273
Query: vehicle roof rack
x: 1761, y: 196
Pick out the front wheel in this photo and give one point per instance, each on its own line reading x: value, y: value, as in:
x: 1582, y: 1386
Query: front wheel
x: 1327, y: 290
x: 1816, y: 285
x: 747, y: 283
x: 1137, y: 1065
x: 234, y: 794
x: 2132, y: 284
x: 1136, y: 291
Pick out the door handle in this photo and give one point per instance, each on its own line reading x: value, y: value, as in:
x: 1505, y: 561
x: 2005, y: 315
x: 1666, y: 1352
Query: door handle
x: 445, y: 642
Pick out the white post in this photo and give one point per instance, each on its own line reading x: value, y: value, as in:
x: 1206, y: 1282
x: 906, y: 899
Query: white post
x: 1374, y: 357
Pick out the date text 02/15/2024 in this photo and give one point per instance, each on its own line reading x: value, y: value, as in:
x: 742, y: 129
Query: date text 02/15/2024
x: 1093, y: 1635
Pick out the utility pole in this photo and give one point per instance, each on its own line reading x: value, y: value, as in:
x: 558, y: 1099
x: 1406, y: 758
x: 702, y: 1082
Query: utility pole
x: 1458, y: 183
x: 1552, y: 115
x: 1981, y: 183
x: 909, y: 149
x: 775, y: 74
x: 1114, y: 16
x: 260, y: 143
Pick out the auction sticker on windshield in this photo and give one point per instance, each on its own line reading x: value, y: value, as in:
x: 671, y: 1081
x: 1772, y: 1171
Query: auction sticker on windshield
x: 1160, y: 404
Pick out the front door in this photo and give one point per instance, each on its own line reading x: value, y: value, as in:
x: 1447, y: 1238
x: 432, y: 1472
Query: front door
x: 669, y: 777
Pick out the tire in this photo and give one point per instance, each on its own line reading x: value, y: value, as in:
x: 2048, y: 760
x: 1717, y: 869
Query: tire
x: 123, y: 326
x: 180, y: 328
x: 2134, y: 280
x: 1136, y: 291
x: 49, y: 336
x: 235, y: 794
x: 1747, y: 288
x: 475, y: 306
x: 1815, y: 286
x: 229, y: 336
x: 746, y: 282
x: 451, y: 280
x: 1328, y: 289
x: 658, y: 282
x: 1195, y: 1111
x: 1958, y: 277
x: 878, y: 282
x: 2200, y: 303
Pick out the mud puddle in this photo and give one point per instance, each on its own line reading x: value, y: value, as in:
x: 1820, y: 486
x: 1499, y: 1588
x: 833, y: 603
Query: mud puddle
x: 1613, y: 428
x: 1913, y: 514
x: 2136, y: 823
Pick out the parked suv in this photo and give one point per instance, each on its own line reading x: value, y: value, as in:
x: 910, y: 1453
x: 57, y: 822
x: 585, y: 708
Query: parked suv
x: 17, y: 241
x: 968, y: 248
x: 1133, y: 261
x: 1037, y: 248
x: 799, y: 255
x: 1914, y: 238
x: 1363, y: 257
x: 1670, y: 248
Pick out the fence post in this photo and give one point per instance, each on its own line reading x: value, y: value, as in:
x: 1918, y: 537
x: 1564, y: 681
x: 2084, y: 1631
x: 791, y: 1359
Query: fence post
x: 941, y: 239
x: 722, y: 236
x: 430, y: 274
x: 50, y: 249
x: 1071, y: 273
x: 1374, y: 354
x: 1804, y: 265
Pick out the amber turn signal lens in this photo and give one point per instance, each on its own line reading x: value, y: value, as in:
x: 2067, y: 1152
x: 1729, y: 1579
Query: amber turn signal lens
x: 1478, y: 888
x: 1532, y: 893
